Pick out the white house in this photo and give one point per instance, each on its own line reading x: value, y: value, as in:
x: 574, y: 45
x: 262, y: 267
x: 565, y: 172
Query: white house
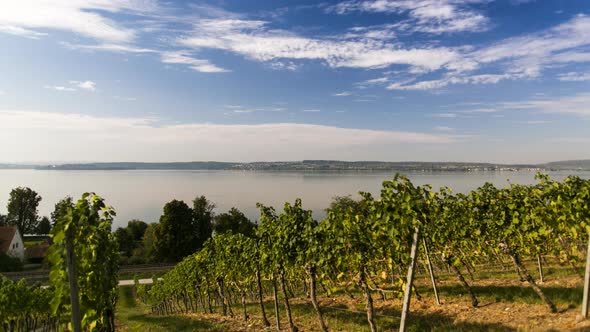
x: 11, y: 243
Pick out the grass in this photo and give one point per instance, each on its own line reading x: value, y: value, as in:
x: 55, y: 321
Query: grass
x: 497, y: 291
x: 134, y: 316
x: 29, y: 243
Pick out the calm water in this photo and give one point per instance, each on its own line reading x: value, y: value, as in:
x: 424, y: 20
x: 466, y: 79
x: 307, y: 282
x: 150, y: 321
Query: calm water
x: 142, y: 194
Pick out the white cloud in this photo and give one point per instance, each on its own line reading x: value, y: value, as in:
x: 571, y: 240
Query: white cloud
x: 183, y: 57
x: 74, y: 86
x: 85, y: 85
x: 253, y: 39
x: 67, y: 137
x: 539, y: 46
x: 284, y: 65
x: 379, y: 80
x: 444, y: 115
x: 78, y: 16
x: 20, y: 31
x: 578, y: 104
x: 119, y: 48
x: 521, y: 57
x: 465, y: 79
x: 311, y: 110
x: 59, y: 88
x: 379, y: 32
x: 574, y: 77
x: 342, y: 94
x: 535, y: 122
x: 572, y: 56
x: 479, y: 111
x: 444, y: 128
x: 430, y: 16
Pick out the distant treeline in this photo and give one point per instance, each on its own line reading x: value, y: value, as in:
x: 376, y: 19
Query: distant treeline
x: 311, y: 165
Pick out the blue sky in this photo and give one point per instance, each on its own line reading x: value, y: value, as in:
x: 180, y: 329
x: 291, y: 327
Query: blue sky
x: 430, y: 80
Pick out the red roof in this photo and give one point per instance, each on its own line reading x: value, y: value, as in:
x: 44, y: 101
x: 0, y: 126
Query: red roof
x: 37, y: 251
x: 6, y: 235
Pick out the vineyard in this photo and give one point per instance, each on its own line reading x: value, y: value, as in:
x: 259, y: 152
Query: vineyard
x: 83, y: 277
x: 371, y: 246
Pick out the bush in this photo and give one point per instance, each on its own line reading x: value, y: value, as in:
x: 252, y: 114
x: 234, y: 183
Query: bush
x: 10, y: 264
x: 134, y: 260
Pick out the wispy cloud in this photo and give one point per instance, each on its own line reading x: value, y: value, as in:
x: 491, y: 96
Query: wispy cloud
x: 342, y: 94
x: 74, y: 86
x: 184, y: 58
x: 574, y: 77
x: 444, y: 128
x: 534, y: 122
x: 578, y: 104
x: 311, y: 110
x: 128, y: 139
x: 20, y: 31
x: 379, y: 80
x: 521, y: 57
x: 441, y: 16
x: 240, y: 109
x: 479, y: 111
x: 444, y: 115
x: 59, y: 88
x: 255, y: 40
x: 118, y: 48
x: 86, y: 18
x: 284, y: 65
x: 85, y: 85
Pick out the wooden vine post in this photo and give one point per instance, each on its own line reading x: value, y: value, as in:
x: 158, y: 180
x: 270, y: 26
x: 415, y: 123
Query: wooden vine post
x: 73, y: 281
x: 540, y: 265
x: 586, y: 299
x: 410, y: 279
x: 432, y: 278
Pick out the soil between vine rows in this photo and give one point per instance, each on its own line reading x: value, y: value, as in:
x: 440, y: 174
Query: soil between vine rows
x: 506, y: 304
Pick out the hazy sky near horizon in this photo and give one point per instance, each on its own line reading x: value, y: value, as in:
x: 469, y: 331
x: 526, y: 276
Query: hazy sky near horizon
x: 429, y: 80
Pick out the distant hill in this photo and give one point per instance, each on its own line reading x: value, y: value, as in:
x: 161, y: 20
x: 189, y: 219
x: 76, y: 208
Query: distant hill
x: 305, y: 165
x: 17, y: 166
x: 197, y: 165
x: 313, y: 165
x: 569, y: 164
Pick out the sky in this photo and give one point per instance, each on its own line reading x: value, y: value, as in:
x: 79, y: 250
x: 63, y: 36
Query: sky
x: 392, y: 80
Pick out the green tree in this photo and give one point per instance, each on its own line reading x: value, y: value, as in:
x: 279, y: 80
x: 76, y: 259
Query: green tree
x: 344, y: 203
x: 22, y: 209
x: 2, y: 219
x: 125, y: 240
x: 136, y: 229
x: 175, y: 236
x: 202, y: 220
x: 236, y: 222
x: 61, y: 208
x: 147, y: 243
x: 44, y: 226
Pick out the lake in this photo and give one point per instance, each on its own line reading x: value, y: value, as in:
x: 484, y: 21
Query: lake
x: 142, y: 194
